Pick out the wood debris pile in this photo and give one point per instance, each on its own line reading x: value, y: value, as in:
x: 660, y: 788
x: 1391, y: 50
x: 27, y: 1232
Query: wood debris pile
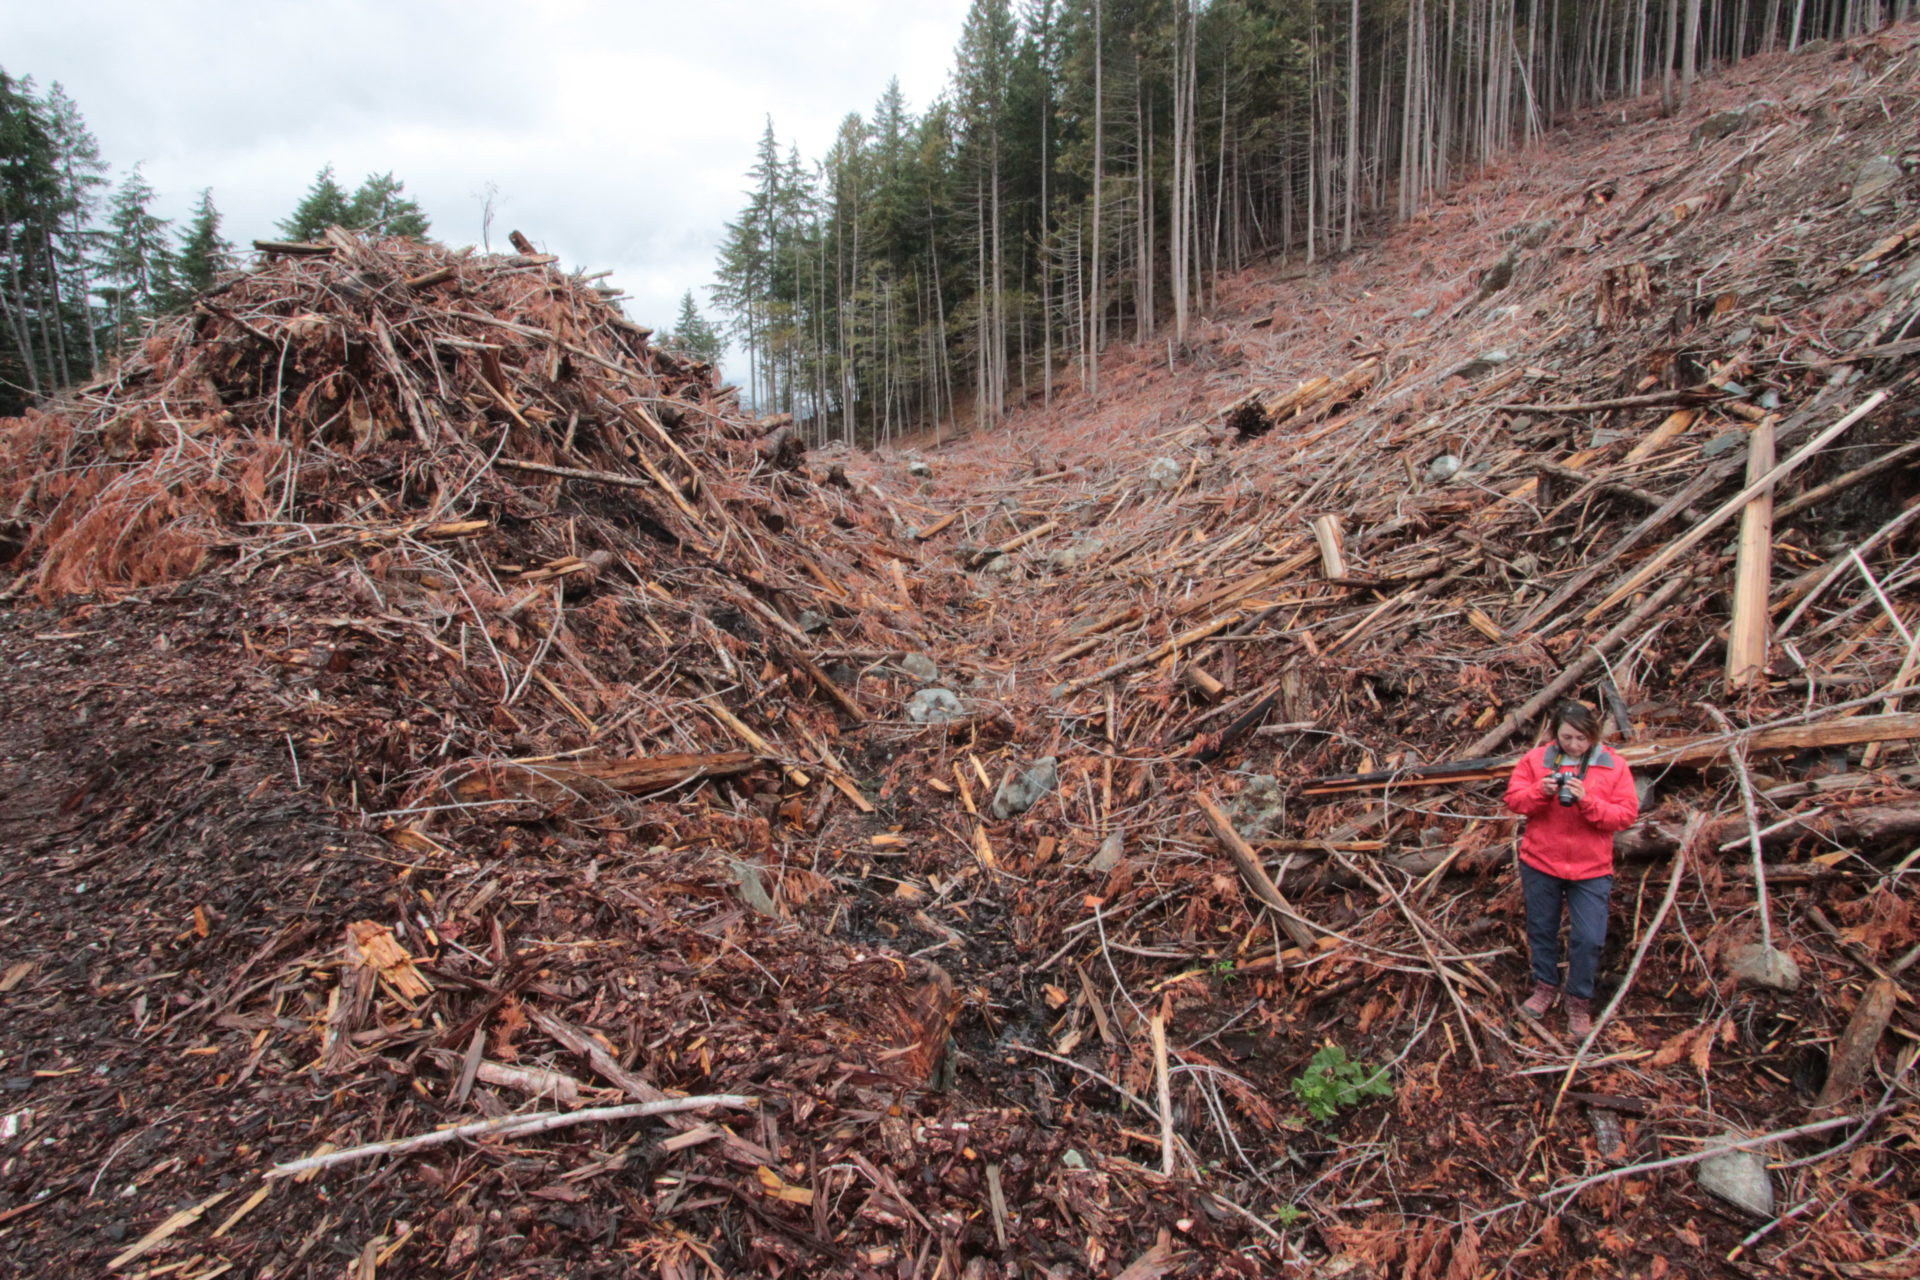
x: 432, y: 706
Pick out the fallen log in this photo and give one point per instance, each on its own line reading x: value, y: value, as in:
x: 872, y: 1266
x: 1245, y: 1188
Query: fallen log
x: 1247, y: 862
x: 1692, y: 751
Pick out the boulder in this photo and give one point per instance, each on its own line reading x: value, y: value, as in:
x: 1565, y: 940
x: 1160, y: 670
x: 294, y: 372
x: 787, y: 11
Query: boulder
x: 1164, y: 473
x: 1259, y: 809
x: 1443, y: 468
x: 1876, y: 179
x: 1111, y: 851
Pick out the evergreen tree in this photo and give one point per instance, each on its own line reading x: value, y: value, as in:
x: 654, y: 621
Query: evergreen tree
x: 203, y: 254
x: 693, y: 336
x: 82, y: 177
x: 30, y: 206
x: 138, y: 276
x: 378, y: 206
x: 324, y: 205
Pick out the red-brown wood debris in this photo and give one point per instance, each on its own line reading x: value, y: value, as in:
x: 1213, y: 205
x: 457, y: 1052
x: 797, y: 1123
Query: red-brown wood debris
x: 427, y: 703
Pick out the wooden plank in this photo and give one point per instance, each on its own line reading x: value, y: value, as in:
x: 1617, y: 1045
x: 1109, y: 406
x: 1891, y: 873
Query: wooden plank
x: 1333, y: 560
x: 1753, y: 570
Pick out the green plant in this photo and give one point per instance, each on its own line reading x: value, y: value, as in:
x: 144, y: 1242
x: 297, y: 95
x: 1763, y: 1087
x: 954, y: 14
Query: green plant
x: 1332, y: 1080
x: 1288, y: 1215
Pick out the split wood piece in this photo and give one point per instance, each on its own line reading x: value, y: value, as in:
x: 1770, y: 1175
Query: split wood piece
x: 1630, y: 626
x: 166, y: 1230
x: 1247, y: 862
x: 551, y: 783
x: 1846, y: 480
x: 1883, y: 249
x: 1753, y: 571
x: 1012, y: 545
x: 1853, y: 1055
x: 1326, y: 533
x: 1689, y: 396
x: 1134, y: 663
x: 1773, y: 475
x: 512, y: 1126
x: 752, y: 739
x: 373, y: 945
x: 921, y: 535
x: 1163, y: 1094
x: 1097, y: 633
x: 1201, y: 681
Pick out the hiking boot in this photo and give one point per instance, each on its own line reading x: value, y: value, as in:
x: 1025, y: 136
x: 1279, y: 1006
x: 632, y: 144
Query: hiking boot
x: 1579, y: 1017
x: 1545, y: 996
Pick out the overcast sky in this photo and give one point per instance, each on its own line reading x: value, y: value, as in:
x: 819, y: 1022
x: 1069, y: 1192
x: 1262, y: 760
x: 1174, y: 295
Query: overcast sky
x: 617, y: 135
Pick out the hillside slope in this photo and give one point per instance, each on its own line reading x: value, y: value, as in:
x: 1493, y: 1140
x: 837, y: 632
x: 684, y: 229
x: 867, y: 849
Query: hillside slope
x: 427, y: 704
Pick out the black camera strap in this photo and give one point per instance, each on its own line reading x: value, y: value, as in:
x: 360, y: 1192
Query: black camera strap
x: 1556, y: 756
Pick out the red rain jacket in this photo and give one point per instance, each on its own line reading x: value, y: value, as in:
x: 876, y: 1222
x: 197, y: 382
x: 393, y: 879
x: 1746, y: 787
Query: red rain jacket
x: 1574, y: 842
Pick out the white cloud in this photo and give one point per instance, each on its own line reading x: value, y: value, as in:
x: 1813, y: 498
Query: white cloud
x: 617, y: 135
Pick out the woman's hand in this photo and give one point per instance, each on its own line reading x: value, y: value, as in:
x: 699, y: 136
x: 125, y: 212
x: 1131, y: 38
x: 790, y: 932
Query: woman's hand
x: 1576, y: 786
x: 1550, y: 786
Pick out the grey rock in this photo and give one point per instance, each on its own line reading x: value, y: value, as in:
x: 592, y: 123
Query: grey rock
x: 1111, y: 851
x: 1483, y: 364
x: 1019, y: 792
x: 1164, y: 473
x: 1070, y: 557
x: 811, y: 621
x: 1875, y: 180
x: 1721, y: 124
x: 920, y: 667
x: 1004, y: 566
x: 1740, y: 1178
x: 935, y: 706
x: 1758, y: 965
x: 1500, y: 274
x: 753, y: 889
x: 919, y: 470
x: 1725, y: 442
x: 1444, y: 467
x: 1421, y: 314
x: 1259, y: 808
x: 1740, y: 337
x: 1073, y: 1159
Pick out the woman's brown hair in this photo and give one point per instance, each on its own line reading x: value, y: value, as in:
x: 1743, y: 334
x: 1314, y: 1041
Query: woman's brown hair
x: 1577, y: 716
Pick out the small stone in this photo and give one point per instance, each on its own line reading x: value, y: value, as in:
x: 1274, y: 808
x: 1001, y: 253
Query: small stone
x: 1722, y: 124
x: 1003, y: 566
x: 1069, y: 558
x: 1443, y: 468
x: 1421, y: 314
x: 811, y: 621
x: 1259, y: 808
x: 935, y: 706
x: 920, y: 667
x: 1164, y: 473
x: 1073, y: 1159
x: 753, y: 890
x: 1111, y: 851
x: 1740, y: 1178
x: 1725, y: 442
x: 919, y: 470
x: 1483, y: 364
x: 1018, y: 793
x: 1758, y: 965
x: 1875, y: 180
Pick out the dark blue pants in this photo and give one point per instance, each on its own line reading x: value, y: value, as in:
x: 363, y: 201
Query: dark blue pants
x: 1586, y: 908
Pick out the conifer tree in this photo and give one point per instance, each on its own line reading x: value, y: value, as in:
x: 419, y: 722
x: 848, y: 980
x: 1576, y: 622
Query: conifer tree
x: 379, y: 206
x: 324, y: 205
x: 693, y: 336
x: 29, y: 218
x: 138, y: 275
x: 203, y: 254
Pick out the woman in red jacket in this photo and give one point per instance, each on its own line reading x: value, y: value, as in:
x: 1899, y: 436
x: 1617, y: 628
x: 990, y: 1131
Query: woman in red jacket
x: 1574, y: 794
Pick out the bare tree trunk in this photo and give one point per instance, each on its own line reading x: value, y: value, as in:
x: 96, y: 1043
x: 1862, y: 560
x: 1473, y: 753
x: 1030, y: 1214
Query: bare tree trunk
x: 1096, y: 320
x: 1353, y: 123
